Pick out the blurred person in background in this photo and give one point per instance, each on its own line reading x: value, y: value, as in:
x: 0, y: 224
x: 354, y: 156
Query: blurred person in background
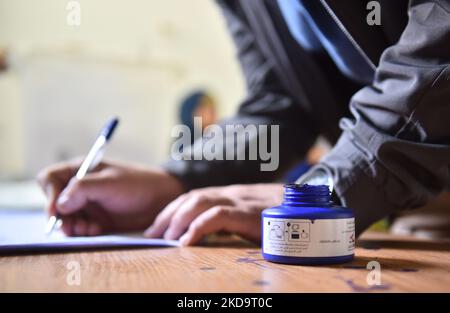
x: 3, y: 62
x: 380, y: 93
x: 198, y: 104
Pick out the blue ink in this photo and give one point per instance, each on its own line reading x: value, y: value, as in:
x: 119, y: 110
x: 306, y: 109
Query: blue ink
x: 358, y: 288
x: 250, y: 261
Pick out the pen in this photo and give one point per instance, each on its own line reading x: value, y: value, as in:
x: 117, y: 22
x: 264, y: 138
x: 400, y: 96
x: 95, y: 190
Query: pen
x: 92, y: 159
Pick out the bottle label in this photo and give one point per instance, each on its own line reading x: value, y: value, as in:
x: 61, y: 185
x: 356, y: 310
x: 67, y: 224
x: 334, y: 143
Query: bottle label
x: 309, y: 238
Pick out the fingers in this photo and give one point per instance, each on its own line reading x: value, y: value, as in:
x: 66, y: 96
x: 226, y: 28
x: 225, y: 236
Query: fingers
x: 78, y: 225
x: 94, y: 229
x: 79, y: 192
x: 198, y: 213
x: 188, y: 211
x: 162, y: 221
x: 53, y: 179
x: 211, y: 221
x: 174, y: 220
x: 67, y: 195
x: 223, y: 218
x: 86, y: 227
x: 67, y: 225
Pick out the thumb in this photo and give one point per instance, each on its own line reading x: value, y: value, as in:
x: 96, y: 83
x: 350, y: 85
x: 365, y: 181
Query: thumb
x: 79, y: 192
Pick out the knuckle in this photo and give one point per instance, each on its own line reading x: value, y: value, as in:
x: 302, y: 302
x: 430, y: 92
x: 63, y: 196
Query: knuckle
x: 78, y: 185
x: 200, y: 198
x: 159, y: 219
x: 190, y: 194
x: 158, y: 216
x: 45, y: 176
x: 220, y: 211
x: 196, y: 226
x: 177, y: 219
x: 182, y: 197
x: 42, y: 176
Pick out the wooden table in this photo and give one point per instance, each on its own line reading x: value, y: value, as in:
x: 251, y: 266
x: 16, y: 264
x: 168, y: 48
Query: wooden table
x: 232, y: 266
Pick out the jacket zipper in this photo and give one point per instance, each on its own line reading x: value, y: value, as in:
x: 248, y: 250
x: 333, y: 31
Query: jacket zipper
x: 348, y: 35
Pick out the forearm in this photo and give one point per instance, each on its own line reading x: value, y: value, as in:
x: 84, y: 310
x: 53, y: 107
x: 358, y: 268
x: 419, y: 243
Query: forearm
x: 395, y: 153
x: 267, y: 106
x: 246, y: 162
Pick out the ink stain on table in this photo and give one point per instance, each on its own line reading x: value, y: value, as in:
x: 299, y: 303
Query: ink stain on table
x: 359, y: 288
x: 250, y: 261
x: 207, y: 268
x: 246, y: 260
x: 261, y: 282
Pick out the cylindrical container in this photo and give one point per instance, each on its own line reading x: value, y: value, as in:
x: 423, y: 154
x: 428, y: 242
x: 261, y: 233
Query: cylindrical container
x: 307, y: 228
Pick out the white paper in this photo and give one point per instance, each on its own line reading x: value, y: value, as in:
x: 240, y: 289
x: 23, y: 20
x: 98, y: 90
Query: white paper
x: 23, y: 231
x: 24, y: 195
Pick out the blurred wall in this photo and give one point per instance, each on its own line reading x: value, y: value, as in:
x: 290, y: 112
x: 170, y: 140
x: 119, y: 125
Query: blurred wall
x: 134, y: 58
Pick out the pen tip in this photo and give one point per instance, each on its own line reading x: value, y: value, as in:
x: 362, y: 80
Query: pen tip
x: 50, y: 225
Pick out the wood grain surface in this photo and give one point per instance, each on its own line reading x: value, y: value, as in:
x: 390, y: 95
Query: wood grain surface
x: 231, y: 266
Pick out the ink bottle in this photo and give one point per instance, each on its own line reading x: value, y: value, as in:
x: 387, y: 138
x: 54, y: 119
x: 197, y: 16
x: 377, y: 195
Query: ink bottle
x: 307, y: 228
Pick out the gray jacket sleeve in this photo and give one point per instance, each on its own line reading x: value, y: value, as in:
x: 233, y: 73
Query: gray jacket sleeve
x: 267, y: 103
x: 395, y: 152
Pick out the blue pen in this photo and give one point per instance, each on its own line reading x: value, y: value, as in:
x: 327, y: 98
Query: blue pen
x: 91, y: 161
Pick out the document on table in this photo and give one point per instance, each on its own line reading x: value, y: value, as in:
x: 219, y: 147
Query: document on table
x: 23, y: 231
x: 21, y: 195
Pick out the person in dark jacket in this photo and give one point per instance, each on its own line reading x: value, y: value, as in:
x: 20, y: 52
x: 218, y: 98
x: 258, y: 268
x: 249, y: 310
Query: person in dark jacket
x: 380, y: 92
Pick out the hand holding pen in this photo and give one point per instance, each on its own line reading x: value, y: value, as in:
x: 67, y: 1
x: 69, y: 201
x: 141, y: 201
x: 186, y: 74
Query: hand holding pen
x: 114, y: 197
x: 91, y: 161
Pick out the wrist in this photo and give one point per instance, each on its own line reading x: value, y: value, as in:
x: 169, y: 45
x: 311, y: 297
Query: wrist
x: 174, y: 184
